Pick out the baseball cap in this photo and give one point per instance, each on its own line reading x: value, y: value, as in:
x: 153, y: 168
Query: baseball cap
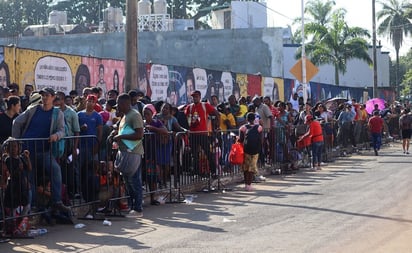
x: 91, y: 97
x: 308, y: 118
x: 47, y: 90
x: 196, y: 92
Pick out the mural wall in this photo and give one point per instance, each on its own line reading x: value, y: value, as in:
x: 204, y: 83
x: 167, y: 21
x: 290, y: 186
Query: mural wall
x: 160, y: 82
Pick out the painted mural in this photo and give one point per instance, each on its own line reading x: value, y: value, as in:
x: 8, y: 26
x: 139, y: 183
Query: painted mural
x: 159, y: 82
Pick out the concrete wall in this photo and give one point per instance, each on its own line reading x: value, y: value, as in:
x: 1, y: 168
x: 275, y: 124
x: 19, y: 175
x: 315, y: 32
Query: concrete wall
x: 246, y: 51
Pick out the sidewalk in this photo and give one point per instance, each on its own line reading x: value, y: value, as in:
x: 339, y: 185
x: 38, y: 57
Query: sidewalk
x: 126, y: 234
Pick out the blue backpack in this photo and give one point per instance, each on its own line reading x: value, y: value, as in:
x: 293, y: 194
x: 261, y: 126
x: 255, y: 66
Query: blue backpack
x: 58, y: 147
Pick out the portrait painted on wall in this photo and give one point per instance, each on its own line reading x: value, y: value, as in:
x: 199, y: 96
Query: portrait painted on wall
x: 4, y: 75
x: 82, y: 78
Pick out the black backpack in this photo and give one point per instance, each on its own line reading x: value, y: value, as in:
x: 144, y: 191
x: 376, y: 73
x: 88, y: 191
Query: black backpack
x: 253, y: 141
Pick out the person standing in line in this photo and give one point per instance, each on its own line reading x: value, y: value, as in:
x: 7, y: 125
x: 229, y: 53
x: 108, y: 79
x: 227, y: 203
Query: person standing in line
x: 91, y: 124
x: 71, y: 120
x: 129, y: 156
x: 197, y: 114
x: 39, y: 122
x: 24, y: 100
x: 375, y: 125
x: 250, y: 135
x: 316, y: 135
x: 405, y: 126
x: 6, y: 118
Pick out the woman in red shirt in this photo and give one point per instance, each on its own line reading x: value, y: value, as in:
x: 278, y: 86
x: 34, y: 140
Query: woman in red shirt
x: 316, y: 134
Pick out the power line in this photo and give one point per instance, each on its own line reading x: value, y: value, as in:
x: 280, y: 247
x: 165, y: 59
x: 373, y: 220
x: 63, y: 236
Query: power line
x: 281, y: 14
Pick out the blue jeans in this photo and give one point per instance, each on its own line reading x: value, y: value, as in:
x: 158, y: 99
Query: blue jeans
x: 317, y: 152
x: 134, y: 187
x: 376, y: 140
x: 52, y: 170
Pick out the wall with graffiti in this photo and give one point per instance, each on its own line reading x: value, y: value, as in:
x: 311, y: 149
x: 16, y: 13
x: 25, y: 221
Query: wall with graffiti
x: 160, y: 82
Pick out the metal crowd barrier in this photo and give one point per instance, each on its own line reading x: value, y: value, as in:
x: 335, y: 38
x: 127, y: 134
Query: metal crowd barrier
x: 171, y: 164
x: 26, y: 192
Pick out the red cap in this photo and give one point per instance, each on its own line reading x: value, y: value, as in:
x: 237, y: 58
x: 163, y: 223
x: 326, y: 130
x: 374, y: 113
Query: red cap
x: 92, y: 98
x: 308, y: 118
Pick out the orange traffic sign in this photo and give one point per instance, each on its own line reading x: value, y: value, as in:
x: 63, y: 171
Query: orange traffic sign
x: 311, y: 70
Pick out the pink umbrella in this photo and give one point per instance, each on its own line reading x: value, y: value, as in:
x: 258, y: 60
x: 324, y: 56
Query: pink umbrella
x: 370, y: 104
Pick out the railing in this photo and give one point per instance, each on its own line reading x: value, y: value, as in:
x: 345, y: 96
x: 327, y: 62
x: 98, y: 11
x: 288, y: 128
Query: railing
x: 171, y: 165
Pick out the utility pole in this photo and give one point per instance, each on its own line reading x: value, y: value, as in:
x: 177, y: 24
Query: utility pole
x: 304, y: 81
x: 375, y: 67
x: 131, y: 75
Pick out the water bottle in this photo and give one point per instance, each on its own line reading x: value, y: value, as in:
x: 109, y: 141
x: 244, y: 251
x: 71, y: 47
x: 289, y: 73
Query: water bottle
x: 36, y: 232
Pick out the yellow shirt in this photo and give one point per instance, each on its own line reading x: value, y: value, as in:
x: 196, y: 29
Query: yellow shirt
x: 223, y: 118
x: 243, y: 110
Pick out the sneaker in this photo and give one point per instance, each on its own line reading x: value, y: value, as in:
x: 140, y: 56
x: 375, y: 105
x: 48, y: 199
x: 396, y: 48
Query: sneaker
x: 323, y: 164
x: 249, y: 188
x: 134, y: 214
x: 407, y: 152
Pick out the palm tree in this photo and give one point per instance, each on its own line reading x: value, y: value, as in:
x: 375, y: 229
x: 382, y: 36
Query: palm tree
x: 320, y: 11
x: 335, y: 43
x: 316, y: 11
x: 395, y: 24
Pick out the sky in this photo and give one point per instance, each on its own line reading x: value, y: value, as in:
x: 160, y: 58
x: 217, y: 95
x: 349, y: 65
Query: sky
x: 359, y: 13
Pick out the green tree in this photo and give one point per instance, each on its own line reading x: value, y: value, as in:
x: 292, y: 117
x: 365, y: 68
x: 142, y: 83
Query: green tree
x: 405, y: 70
x: 316, y: 11
x: 335, y: 43
x: 395, y: 24
x: 15, y: 16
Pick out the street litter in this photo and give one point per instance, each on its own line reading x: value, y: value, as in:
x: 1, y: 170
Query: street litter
x: 107, y: 223
x: 37, y: 232
x: 189, y: 199
x: 79, y: 225
x: 228, y: 220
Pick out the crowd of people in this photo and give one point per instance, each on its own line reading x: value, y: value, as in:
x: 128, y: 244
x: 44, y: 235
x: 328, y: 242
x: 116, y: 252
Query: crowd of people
x: 133, y: 135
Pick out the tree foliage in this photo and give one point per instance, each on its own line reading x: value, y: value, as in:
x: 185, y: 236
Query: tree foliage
x: 395, y: 24
x: 405, y: 70
x: 332, y: 41
x: 16, y: 15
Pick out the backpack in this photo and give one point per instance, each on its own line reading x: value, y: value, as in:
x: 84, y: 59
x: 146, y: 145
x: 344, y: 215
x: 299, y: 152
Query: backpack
x: 406, y: 122
x: 253, y: 141
x: 58, y: 147
x: 237, y: 154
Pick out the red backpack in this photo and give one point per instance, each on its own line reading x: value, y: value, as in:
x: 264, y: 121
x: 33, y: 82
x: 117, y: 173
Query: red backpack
x: 236, y: 155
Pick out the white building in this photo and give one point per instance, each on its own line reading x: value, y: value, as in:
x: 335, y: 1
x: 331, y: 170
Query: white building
x: 358, y: 72
x: 240, y: 14
x: 247, y: 14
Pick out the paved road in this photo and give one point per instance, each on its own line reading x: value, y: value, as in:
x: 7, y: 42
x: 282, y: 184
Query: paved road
x: 361, y: 203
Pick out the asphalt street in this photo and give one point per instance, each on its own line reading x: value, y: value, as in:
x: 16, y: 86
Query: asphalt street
x: 360, y: 203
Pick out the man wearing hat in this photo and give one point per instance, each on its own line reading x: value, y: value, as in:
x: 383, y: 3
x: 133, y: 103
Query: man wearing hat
x: 198, y: 113
x: 39, y: 122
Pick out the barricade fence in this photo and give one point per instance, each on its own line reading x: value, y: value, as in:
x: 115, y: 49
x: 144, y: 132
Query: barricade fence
x: 43, y: 178
x: 84, y: 174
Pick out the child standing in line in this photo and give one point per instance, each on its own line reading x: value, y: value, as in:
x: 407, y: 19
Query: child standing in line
x: 18, y: 191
